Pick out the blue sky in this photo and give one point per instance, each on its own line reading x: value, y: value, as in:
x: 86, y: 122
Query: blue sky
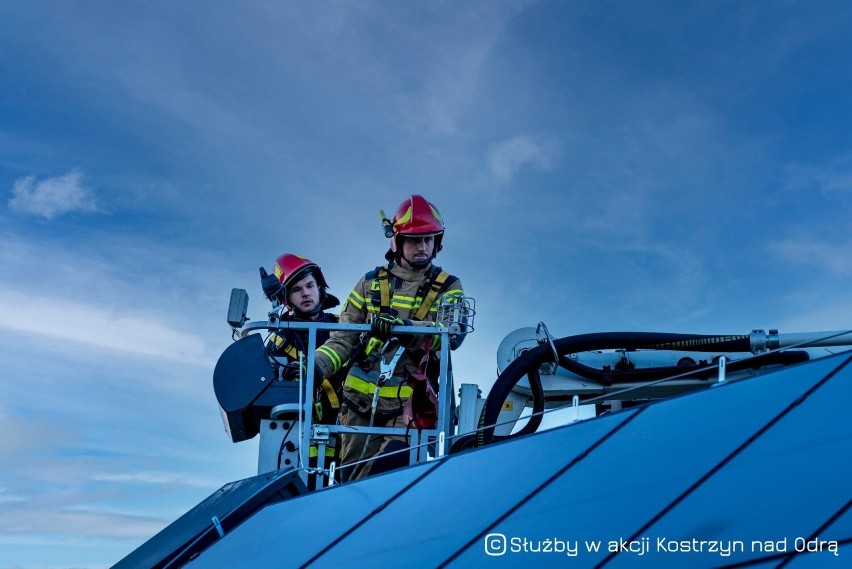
x: 601, y: 166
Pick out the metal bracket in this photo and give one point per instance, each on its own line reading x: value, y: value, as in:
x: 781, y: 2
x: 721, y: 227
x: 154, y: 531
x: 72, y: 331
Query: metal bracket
x: 218, y: 525
x: 547, y: 338
x: 320, y: 434
x: 722, y: 362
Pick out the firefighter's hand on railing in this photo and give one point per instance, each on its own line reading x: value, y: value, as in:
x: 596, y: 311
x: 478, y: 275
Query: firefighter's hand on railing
x: 293, y: 371
x: 383, y: 323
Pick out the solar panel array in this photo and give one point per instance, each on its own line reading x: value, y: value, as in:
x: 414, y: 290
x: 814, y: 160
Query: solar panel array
x: 754, y: 472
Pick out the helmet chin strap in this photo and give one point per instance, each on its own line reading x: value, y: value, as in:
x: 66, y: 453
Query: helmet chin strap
x: 417, y: 264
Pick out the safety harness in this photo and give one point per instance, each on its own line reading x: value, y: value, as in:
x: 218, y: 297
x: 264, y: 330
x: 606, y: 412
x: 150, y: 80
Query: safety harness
x: 418, y: 393
x: 429, y: 291
x: 286, y: 346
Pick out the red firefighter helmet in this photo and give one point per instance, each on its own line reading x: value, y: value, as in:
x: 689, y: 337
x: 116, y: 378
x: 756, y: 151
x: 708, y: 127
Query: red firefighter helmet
x: 290, y: 268
x: 416, y: 216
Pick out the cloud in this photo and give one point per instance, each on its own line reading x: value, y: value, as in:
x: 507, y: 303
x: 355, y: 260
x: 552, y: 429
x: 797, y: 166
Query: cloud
x: 157, y: 478
x: 114, y: 328
x: 836, y: 258
x: 831, y: 178
x: 508, y: 157
x: 34, y: 435
x: 448, y: 93
x: 441, y: 87
x: 68, y: 521
x: 820, y: 311
x: 52, y: 197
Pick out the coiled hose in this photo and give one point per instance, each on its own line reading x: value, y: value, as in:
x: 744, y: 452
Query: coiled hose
x: 529, y: 362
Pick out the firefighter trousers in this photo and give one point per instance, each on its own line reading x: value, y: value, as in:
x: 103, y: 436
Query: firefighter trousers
x: 352, y: 446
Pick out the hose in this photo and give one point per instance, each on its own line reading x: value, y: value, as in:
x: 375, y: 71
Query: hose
x: 529, y: 362
x: 610, y: 376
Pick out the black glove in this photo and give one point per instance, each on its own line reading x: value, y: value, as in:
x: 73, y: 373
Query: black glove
x: 382, y: 324
x: 291, y: 371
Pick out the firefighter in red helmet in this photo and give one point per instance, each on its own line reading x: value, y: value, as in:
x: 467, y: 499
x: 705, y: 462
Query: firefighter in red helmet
x: 415, y: 218
x: 407, y: 290
x: 300, y: 286
x: 305, y: 291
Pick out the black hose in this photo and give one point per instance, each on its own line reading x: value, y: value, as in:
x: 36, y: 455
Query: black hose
x: 610, y: 376
x: 534, y: 357
x: 538, y: 403
x: 470, y: 441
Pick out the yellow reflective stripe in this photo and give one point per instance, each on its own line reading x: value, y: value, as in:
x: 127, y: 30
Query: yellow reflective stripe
x: 388, y: 391
x: 373, y: 308
x: 356, y: 300
x: 288, y: 349
x: 406, y: 217
x: 277, y: 340
x: 456, y: 293
x: 313, y: 452
x: 436, y: 339
x: 402, y: 303
x: 329, y: 392
x: 332, y: 355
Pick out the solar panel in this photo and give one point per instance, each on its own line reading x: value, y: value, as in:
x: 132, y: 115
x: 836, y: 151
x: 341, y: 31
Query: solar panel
x: 760, y: 460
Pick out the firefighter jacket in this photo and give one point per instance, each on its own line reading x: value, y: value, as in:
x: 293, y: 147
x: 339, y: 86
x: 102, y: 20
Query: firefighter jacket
x: 409, y: 294
x: 290, y: 344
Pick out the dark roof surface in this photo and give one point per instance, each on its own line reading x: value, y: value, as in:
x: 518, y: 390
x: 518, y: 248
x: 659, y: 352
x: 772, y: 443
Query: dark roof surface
x: 754, y: 469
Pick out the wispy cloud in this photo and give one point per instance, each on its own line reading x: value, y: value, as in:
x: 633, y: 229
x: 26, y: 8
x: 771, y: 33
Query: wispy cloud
x: 52, y: 197
x: 450, y: 73
x: 98, y: 523
x: 31, y: 435
x: 156, y: 478
x: 834, y: 257
x: 831, y: 178
x: 107, y: 328
x: 819, y: 312
x: 506, y: 158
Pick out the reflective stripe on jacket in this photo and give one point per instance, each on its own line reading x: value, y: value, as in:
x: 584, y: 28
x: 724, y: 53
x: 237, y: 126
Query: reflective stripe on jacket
x: 290, y: 344
x: 407, y: 290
